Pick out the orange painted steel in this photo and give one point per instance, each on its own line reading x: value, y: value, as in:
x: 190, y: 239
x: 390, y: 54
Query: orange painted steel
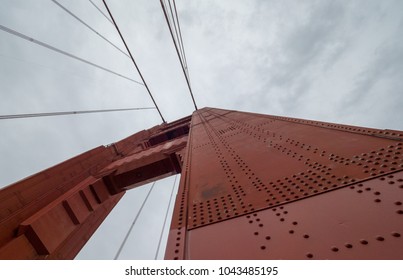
x: 252, y: 187
x: 266, y: 187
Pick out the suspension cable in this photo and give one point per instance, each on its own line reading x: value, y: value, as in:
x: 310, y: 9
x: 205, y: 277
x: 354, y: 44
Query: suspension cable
x: 88, y: 26
x: 177, y: 52
x: 180, y: 37
x: 165, y: 219
x: 170, y: 22
x: 176, y: 30
x: 99, y: 10
x: 42, y: 44
x: 51, y: 114
x: 134, y: 222
x: 134, y: 62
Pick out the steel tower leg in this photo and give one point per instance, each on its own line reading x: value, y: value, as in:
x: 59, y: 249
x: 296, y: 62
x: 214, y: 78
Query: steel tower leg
x: 265, y: 187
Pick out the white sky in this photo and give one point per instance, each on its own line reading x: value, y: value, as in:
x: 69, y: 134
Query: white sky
x: 337, y: 61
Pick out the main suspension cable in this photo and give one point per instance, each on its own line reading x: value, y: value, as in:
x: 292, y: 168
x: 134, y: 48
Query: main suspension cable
x: 52, y: 114
x: 134, y: 62
x: 42, y: 44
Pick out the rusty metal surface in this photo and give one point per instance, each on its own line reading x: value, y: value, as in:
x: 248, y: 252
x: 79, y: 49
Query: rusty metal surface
x: 239, y: 167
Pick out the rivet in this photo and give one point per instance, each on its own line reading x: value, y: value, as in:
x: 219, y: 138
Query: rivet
x: 380, y: 238
x: 348, y: 245
x: 377, y: 200
x: 306, y: 236
x: 268, y: 237
x: 309, y: 256
x: 335, y: 249
x: 363, y: 242
x: 395, y: 234
x: 399, y: 211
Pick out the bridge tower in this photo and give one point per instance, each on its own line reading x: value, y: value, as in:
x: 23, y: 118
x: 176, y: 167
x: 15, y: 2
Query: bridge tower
x: 253, y: 186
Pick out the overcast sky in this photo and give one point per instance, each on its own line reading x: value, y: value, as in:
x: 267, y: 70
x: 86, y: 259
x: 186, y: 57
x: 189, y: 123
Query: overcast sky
x: 336, y: 61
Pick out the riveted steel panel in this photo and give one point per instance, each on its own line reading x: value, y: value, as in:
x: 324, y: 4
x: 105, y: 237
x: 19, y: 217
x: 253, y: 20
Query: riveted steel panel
x: 362, y: 221
x: 239, y: 167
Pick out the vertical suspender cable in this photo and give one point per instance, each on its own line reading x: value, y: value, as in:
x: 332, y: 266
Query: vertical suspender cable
x: 181, y: 41
x: 134, y: 62
x: 134, y: 222
x: 176, y: 32
x: 42, y: 44
x: 88, y: 26
x: 99, y: 10
x: 177, y: 52
x: 165, y: 220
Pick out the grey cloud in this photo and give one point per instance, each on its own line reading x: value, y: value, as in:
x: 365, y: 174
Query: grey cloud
x: 387, y: 65
x: 380, y: 86
x: 305, y: 45
x: 330, y: 60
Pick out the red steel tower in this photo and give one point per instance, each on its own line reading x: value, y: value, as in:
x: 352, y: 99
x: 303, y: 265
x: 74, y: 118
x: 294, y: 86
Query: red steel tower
x: 252, y: 187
